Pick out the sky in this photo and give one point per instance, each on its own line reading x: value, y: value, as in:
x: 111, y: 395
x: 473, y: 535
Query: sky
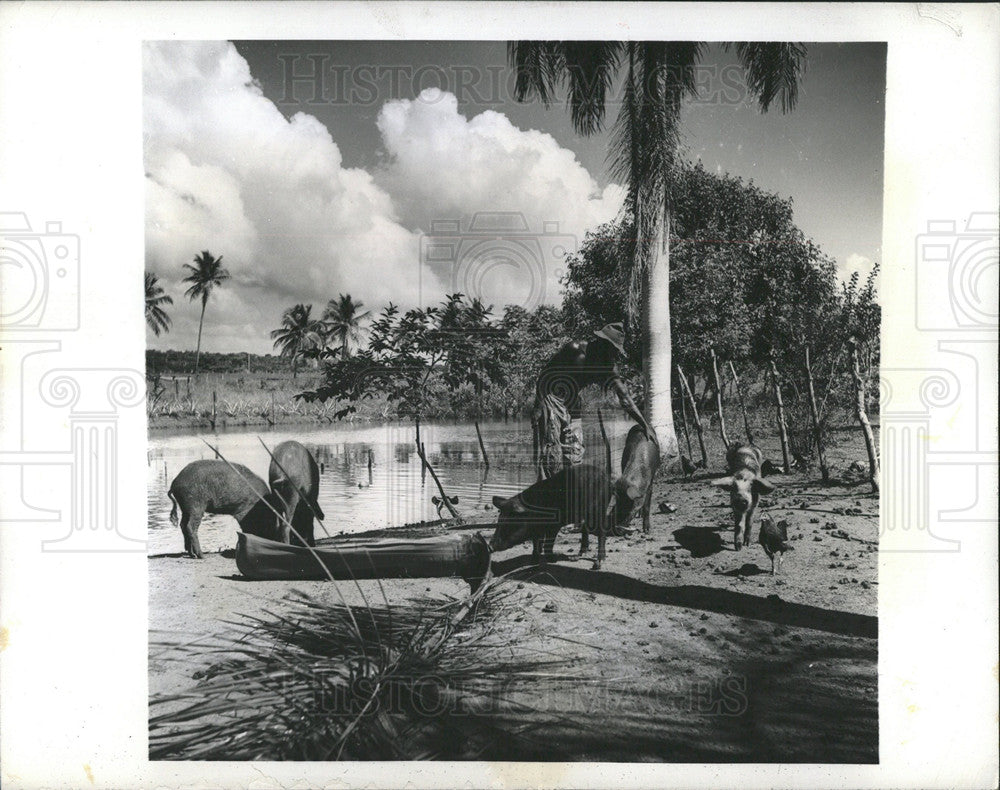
x: 402, y: 171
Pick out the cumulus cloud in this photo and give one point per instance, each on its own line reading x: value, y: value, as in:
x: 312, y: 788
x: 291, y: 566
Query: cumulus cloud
x: 228, y: 173
x: 445, y: 167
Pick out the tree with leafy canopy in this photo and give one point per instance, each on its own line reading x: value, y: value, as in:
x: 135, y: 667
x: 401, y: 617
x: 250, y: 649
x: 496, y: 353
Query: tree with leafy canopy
x: 409, y: 352
x: 156, y: 317
x: 299, y: 334
x: 657, y: 76
x: 743, y: 278
x: 205, y: 276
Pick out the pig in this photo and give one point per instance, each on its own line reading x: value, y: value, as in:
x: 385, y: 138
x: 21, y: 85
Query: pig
x: 640, y: 460
x: 574, y: 495
x: 294, y: 478
x: 217, y: 487
x: 745, y: 485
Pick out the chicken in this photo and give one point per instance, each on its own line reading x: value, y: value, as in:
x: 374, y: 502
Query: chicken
x: 774, y: 538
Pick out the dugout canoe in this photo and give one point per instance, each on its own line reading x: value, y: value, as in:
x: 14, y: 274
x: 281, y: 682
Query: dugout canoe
x: 465, y: 556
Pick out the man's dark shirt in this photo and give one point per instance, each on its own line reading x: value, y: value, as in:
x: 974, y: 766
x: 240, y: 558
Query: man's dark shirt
x: 572, y: 368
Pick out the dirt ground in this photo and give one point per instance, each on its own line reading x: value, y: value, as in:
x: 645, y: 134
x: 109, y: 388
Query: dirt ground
x: 707, y: 656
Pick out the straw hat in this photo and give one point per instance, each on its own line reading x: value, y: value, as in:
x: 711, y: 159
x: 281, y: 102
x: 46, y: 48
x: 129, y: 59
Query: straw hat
x: 614, y: 335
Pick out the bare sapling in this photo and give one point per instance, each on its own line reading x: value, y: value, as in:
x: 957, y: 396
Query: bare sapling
x: 718, y: 399
x: 862, y: 415
x: 697, y: 420
x: 743, y: 405
x: 817, y: 428
x: 780, y: 406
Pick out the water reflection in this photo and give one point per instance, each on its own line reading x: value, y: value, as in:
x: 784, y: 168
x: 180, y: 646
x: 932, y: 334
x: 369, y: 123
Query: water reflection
x: 371, y: 476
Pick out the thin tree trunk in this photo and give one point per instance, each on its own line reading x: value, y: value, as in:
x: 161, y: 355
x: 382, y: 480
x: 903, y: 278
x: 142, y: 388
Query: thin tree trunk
x: 743, y: 406
x: 656, y: 340
x: 482, y: 447
x: 607, y: 444
x: 444, y: 496
x: 779, y: 403
x: 718, y: 399
x: 697, y: 419
x: 684, y: 422
x: 830, y: 380
x: 817, y: 430
x: 201, y: 322
x: 862, y: 415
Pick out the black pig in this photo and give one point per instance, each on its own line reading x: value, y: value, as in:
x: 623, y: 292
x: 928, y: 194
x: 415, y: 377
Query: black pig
x: 574, y: 495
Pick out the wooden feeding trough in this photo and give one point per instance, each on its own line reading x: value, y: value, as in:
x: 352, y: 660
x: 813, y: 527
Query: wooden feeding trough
x: 465, y: 556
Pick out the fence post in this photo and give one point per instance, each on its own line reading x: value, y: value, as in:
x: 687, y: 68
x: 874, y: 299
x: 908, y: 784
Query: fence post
x: 718, y: 399
x: 743, y: 406
x: 817, y: 430
x: 862, y: 415
x: 697, y: 419
x: 779, y: 403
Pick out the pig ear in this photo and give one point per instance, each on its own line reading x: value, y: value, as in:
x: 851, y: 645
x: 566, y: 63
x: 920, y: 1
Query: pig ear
x: 499, y: 502
x: 762, y: 486
x: 723, y: 482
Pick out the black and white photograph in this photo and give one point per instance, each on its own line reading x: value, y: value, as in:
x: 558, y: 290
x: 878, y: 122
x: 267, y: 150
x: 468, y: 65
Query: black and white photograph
x: 524, y: 395
x: 513, y: 400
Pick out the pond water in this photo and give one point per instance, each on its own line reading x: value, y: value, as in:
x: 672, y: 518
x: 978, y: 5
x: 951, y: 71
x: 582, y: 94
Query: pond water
x: 354, y: 499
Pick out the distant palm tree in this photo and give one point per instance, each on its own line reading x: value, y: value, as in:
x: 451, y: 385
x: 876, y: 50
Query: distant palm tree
x: 206, y: 274
x: 657, y: 76
x: 156, y: 317
x: 298, y: 334
x: 343, y: 318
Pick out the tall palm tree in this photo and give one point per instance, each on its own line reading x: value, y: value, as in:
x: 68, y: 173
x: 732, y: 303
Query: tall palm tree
x: 656, y: 78
x: 343, y: 318
x: 156, y: 317
x: 205, y: 275
x: 299, y: 333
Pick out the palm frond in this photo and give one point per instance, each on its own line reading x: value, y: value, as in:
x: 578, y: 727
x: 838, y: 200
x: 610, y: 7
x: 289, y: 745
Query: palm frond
x: 537, y: 68
x: 333, y: 681
x: 772, y: 71
x: 589, y: 68
x: 156, y: 317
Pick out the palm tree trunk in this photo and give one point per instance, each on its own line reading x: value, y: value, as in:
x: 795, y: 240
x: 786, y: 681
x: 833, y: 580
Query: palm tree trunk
x: 343, y: 352
x: 656, y: 362
x: 201, y: 322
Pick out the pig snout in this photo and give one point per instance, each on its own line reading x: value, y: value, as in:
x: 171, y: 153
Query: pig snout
x: 741, y: 504
x: 507, y: 535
